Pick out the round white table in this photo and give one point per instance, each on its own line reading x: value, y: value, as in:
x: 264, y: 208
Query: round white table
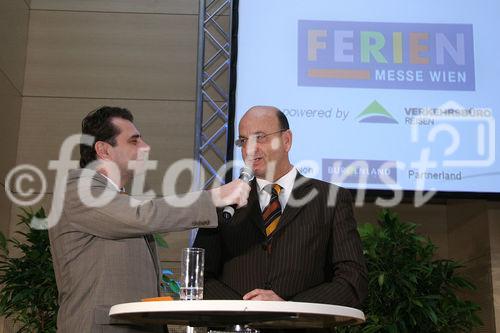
x: 223, y: 313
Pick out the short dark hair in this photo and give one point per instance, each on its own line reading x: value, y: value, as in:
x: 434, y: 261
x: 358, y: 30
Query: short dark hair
x: 283, y: 121
x: 98, y: 124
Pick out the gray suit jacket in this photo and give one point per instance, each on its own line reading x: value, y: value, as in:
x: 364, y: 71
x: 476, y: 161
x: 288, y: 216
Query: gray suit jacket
x: 106, y: 255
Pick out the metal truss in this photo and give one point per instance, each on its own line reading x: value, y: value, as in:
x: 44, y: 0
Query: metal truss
x: 212, y: 104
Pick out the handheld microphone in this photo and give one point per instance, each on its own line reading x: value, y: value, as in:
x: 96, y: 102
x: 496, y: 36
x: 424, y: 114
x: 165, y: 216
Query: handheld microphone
x: 246, y: 175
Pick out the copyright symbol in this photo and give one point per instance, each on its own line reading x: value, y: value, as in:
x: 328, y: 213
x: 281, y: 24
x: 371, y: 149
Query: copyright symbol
x: 14, y: 189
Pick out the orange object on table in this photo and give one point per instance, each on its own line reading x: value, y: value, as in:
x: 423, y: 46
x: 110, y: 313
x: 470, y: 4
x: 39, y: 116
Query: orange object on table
x: 158, y: 299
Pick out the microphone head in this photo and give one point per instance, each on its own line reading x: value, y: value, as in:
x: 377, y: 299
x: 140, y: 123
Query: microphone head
x: 246, y: 174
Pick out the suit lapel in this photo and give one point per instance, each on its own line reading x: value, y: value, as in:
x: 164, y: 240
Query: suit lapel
x: 301, y: 189
x: 254, y: 208
x: 149, y: 239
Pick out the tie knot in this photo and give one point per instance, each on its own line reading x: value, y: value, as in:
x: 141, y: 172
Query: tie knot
x: 277, y: 188
x: 273, y: 189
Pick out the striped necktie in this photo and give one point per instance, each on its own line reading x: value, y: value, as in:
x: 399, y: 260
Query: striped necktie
x: 272, y: 213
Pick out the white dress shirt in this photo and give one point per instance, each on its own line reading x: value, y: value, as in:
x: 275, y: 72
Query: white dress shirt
x: 113, y: 183
x: 286, y: 183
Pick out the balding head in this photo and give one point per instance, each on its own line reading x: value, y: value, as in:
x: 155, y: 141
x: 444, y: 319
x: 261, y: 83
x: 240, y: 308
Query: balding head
x: 265, y: 110
x: 269, y: 141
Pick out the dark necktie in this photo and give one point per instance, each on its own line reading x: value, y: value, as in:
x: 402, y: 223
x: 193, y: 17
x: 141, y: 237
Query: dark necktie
x: 272, y: 213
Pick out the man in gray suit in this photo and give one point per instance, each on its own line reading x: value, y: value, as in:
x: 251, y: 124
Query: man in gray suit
x: 102, y: 247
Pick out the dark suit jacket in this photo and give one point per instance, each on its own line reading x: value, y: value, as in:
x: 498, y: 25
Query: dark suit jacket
x: 314, y: 256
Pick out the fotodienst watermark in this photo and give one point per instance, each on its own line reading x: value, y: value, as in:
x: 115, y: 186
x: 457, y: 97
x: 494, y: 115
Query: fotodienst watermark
x: 21, y: 180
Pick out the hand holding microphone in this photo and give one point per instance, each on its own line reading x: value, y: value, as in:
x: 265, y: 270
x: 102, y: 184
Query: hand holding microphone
x: 234, y: 194
x: 246, y: 175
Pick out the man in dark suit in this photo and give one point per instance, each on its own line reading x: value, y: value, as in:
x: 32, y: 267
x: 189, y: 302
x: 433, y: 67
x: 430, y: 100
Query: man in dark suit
x: 296, y: 240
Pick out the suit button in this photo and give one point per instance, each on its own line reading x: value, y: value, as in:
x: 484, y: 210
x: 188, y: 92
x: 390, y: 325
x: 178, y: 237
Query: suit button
x: 267, y: 247
x: 267, y: 285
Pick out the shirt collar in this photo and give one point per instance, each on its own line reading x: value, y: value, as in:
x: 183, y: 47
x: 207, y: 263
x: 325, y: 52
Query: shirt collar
x: 285, y: 182
x: 112, y: 183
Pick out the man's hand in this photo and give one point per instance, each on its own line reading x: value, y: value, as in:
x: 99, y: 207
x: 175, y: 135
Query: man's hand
x: 235, y: 192
x: 262, y: 295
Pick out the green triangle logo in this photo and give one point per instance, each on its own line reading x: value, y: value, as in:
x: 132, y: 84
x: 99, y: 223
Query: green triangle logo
x: 376, y: 113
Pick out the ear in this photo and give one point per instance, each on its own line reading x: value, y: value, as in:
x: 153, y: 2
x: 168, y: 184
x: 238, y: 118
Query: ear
x: 102, y: 150
x: 287, y: 140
